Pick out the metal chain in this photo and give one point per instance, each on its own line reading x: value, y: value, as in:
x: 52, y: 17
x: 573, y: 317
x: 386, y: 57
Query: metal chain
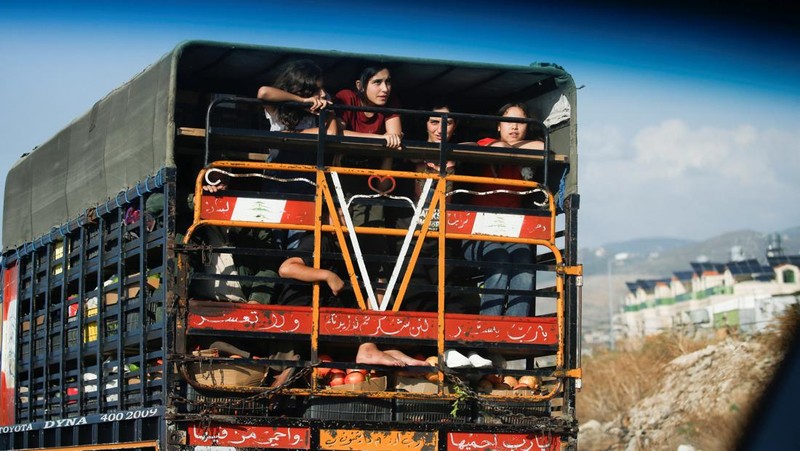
x: 207, y: 408
x: 504, y: 191
x: 253, y: 174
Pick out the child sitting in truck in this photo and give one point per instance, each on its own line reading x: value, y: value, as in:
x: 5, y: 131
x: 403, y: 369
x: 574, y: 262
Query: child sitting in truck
x: 506, y: 266
x: 373, y: 88
x: 421, y: 293
x: 297, y: 81
x: 333, y: 293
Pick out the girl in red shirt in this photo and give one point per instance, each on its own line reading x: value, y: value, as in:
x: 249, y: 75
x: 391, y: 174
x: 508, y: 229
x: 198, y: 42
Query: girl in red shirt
x: 506, y: 266
x: 374, y: 89
x: 512, y: 135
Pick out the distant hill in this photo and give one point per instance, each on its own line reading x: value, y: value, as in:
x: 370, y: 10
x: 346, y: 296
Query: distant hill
x: 663, y: 256
x: 595, y: 260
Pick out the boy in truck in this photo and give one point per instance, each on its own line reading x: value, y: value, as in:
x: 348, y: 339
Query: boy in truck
x: 333, y: 293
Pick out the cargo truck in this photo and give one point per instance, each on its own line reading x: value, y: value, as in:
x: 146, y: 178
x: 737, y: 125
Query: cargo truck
x: 126, y: 322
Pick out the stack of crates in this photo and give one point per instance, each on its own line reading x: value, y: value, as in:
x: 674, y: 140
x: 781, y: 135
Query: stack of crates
x: 348, y: 409
x: 64, y: 306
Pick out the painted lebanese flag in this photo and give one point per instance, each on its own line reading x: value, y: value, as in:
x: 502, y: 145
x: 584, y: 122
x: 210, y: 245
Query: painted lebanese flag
x: 293, y: 212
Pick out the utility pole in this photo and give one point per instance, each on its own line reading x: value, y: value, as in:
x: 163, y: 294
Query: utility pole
x: 619, y: 257
x: 610, y: 305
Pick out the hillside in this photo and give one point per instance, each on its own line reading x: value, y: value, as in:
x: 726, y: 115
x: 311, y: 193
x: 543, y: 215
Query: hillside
x: 669, y: 391
x: 663, y: 256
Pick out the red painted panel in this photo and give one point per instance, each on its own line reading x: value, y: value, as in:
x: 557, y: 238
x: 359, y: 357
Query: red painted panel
x: 249, y: 436
x: 464, y: 441
x: 543, y: 331
x: 217, y: 207
x: 298, y: 212
x: 249, y: 318
x: 460, y: 221
x: 8, y: 335
x: 379, y: 324
x: 257, y: 210
x: 533, y: 227
x: 211, y: 315
x: 536, y: 227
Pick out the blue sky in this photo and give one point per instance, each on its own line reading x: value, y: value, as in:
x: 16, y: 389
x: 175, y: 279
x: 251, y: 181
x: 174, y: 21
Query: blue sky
x: 687, y: 121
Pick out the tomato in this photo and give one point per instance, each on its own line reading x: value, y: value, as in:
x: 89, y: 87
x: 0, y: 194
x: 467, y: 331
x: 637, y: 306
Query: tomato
x: 322, y: 371
x: 532, y: 382
x: 434, y: 376
x: 354, y: 378
x: 337, y: 379
x: 510, y: 381
x: 357, y: 370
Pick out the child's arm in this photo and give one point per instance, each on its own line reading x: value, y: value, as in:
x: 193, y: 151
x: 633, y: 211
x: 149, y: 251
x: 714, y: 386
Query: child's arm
x: 332, y: 128
x: 535, y: 144
x: 393, y: 135
x: 272, y: 94
x: 295, y: 268
x: 394, y: 132
x: 392, y: 141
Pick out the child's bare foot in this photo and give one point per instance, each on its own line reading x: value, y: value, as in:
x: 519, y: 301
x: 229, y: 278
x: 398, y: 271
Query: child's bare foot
x: 369, y: 354
x: 405, y: 358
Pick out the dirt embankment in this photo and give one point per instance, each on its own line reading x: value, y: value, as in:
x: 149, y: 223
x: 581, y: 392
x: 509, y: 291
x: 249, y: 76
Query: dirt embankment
x: 697, y: 400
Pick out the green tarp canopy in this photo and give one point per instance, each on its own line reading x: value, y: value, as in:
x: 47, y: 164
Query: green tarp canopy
x: 130, y: 134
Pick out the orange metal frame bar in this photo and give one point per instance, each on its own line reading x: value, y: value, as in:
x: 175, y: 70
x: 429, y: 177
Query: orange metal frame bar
x: 323, y: 194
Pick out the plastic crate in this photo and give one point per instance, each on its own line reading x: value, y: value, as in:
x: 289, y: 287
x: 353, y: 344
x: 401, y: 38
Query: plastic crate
x: 111, y: 327
x: 346, y: 409
x: 155, y: 312
x: 212, y: 403
x: 132, y: 321
x: 416, y: 411
x: 89, y: 334
x: 72, y: 337
x: 38, y: 346
x: 517, y: 413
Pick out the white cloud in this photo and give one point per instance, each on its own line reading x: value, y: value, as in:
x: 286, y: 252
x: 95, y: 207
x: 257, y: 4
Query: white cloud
x: 675, y: 179
x: 605, y: 142
x: 674, y: 150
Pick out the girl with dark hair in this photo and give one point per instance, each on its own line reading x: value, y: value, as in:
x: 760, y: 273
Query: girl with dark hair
x: 433, y: 126
x: 373, y: 88
x: 512, y: 134
x: 298, y: 81
x: 419, y: 295
x: 513, y: 274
